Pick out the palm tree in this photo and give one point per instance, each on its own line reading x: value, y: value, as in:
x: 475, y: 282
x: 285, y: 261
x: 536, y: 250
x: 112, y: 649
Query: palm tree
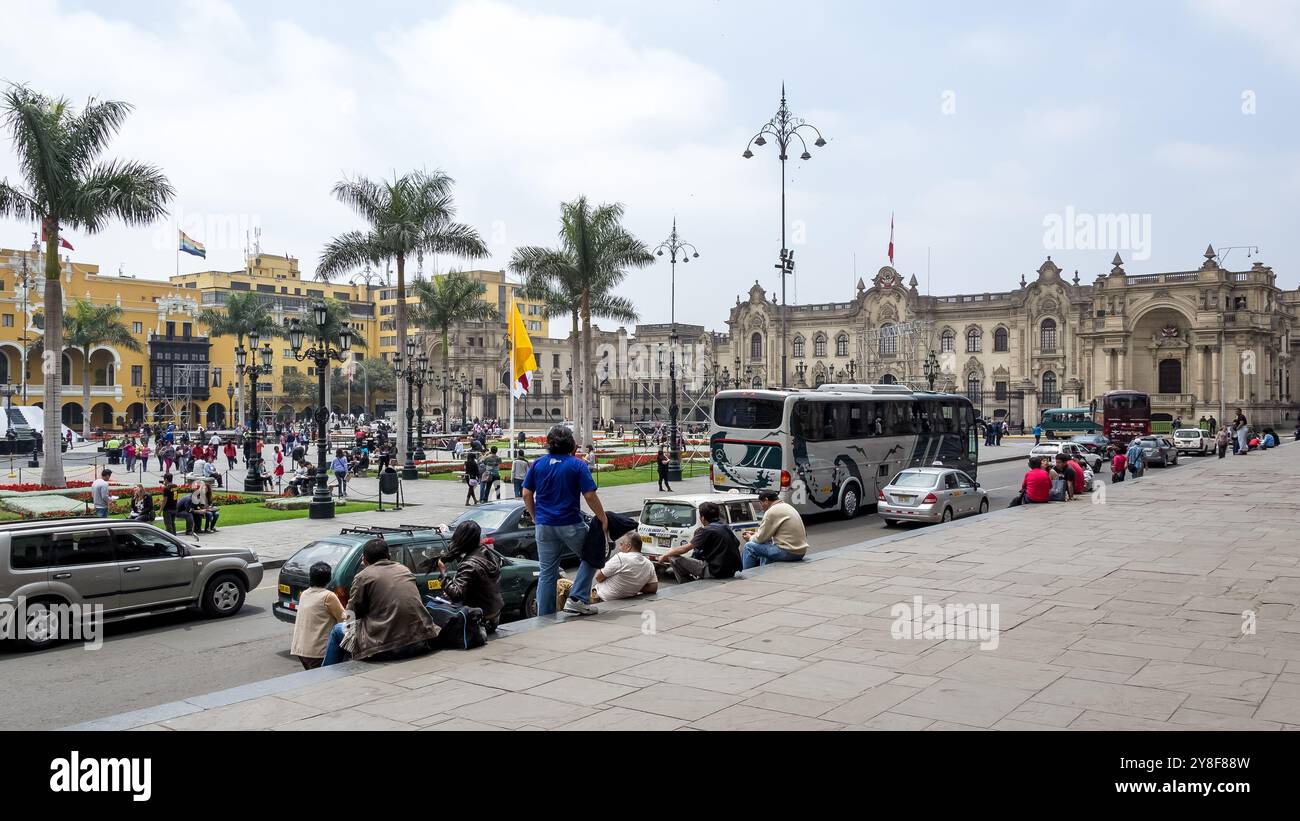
x: 67, y: 185
x: 411, y: 214
x: 448, y: 300
x: 86, y: 326
x: 243, y: 314
x: 595, y: 254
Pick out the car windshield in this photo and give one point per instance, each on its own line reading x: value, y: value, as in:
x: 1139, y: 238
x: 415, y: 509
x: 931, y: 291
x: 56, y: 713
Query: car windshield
x: 332, y: 553
x: 1187, y: 433
x: 668, y: 514
x: 915, y: 480
x: 487, y: 518
x: 1045, y: 449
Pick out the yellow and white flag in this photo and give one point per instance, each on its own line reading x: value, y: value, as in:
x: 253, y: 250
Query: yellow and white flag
x: 522, y: 361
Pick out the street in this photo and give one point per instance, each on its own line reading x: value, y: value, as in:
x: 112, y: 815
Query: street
x: 159, y: 659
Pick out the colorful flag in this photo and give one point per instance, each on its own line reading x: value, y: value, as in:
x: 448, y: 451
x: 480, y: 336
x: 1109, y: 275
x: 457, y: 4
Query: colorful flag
x: 522, y: 360
x: 189, y: 246
x: 63, y: 243
x: 891, y: 238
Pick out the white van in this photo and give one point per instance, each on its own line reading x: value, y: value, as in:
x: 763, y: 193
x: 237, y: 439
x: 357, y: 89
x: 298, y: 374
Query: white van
x: 670, y: 521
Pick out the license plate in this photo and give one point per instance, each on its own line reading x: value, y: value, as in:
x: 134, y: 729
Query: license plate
x: 646, y: 540
x: 435, y: 584
x: 664, y: 541
x: 284, y: 588
x: 904, y: 498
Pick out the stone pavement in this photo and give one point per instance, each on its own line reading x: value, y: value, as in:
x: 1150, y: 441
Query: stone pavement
x: 1168, y: 602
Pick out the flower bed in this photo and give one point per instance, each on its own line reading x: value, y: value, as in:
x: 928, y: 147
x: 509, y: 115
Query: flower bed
x: 25, y: 487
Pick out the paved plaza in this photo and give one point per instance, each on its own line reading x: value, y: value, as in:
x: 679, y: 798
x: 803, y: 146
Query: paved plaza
x: 1168, y: 604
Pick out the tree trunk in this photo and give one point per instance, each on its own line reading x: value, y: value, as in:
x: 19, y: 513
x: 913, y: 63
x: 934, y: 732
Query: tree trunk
x: 401, y: 346
x: 446, y: 338
x: 576, y: 364
x: 588, y: 372
x: 85, y: 393
x: 52, y: 362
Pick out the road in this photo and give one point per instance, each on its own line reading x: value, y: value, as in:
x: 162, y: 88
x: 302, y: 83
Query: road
x: 156, y: 660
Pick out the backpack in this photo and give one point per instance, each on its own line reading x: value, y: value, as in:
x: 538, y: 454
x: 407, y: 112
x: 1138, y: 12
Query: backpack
x: 459, y: 627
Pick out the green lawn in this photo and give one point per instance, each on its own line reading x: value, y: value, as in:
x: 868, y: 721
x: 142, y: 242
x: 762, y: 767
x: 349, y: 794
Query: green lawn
x: 248, y: 514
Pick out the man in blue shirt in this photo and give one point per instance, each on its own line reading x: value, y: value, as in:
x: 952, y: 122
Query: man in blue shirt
x: 553, y: 489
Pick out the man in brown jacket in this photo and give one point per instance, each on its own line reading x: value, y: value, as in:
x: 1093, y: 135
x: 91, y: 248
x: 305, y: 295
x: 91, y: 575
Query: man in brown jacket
x: 391, y: 619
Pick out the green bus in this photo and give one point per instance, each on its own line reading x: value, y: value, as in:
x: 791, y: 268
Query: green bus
x: 1062, y: 423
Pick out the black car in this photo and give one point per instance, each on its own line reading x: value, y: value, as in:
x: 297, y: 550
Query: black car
x: 511, y: 528
x: 1095, y: 443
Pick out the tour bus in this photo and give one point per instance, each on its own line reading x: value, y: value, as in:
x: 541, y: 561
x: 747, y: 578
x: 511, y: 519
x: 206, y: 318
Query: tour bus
x: 835, y: 447
x: 1125, y: 414
x: 1062, y: 423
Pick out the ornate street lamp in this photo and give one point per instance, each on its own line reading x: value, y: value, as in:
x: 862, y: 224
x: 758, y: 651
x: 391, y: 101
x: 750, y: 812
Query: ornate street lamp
x: 421, y: 378
x: 462, y: 387
x: 674, y: 245
x: 931, y: 368
x: 230, y: 403
x: 784, y: 128
x: 405, y: 373
x: 253, y: 453
x: 801, y: 369
x: 853, y: 368
x: 320, y: 354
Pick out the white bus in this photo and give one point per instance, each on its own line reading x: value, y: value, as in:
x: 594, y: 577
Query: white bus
x: 835, y: 447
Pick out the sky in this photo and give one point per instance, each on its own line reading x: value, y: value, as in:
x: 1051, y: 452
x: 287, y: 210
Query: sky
x: 994, y: 134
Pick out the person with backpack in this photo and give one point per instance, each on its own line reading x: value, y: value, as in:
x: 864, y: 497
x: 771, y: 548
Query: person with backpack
x: 392, y: 622
x: 476, y: 581
x: 489, y: 474
x: 1136, y: 460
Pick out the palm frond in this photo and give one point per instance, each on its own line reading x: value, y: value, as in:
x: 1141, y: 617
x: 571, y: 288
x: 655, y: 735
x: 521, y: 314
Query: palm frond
x: 133, y: 192
x: 89, y: 132
x: 17, y: 204
x: 348, y: 252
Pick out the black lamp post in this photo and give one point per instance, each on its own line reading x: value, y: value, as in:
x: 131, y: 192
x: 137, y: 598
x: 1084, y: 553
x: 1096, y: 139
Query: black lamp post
x: 853, y: 368
x: 784, y: 128
x: 444, y: 385
x: 931, y: 368
x: 420, y: 377
x: 801, y: 369
x: 674, y: 245
x: 462, y: 387
x: 404, y: 373
x: 230, y: 404
x: 320, y: 354
x: 253, y: 453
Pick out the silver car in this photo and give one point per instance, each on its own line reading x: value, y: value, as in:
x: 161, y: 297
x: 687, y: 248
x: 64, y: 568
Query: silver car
x: 930, y: 494
x: 1158, y: 450
x: 60, y: 566
x: 1193, y: 440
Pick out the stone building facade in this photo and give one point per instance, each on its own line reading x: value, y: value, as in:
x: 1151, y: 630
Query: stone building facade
x: 1198, y: 341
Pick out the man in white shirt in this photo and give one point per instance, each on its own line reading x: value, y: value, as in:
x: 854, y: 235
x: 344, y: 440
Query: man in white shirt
x: 628, y: 573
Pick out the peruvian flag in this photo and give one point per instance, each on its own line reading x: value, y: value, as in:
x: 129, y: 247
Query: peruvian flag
x: 521, y: 386
x: 63, y: 243
x: 891, y: 238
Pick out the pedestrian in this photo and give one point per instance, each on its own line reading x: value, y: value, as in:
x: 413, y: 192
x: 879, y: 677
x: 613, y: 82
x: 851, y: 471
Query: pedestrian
x: 169, y: 504
x: 781, y: 536
x: 99, y: 497
x: 490, y: 474
x: 142, y: 456
x: 476, y: 581
x: 518, y: 470
x: 1118, y: 464
x: 319, y: 609
x: 1136, y: 458
x: 1214, y: 424
x: 230, y: 452
x: 1038, y: 433
x: 340, y: 468
x: 1221, y: 442
x: 471, y: 479
x: 714, y: 550
x: 554, y: 488
x: 661, y: 466
x: 1243, y: 434
x: 129, y: 452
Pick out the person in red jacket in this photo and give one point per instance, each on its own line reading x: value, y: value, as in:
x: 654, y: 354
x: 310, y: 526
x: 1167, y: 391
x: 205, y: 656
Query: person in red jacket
x: 1037, y: 486
x: 1073, y: 474
x: 1118, y: 464
x: 230, y: 452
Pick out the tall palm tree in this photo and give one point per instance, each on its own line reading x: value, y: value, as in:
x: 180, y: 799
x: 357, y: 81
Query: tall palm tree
x: 66, y: 184
x: 595, y: 255
x: 243, y: 314
x: 412, y: 213
x: 448, y: 300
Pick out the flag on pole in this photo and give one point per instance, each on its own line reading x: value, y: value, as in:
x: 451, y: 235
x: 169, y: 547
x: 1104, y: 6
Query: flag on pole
x: 63, y: 243
x: 189, y: 246
x: 891, y: 238
x: 522, y: 360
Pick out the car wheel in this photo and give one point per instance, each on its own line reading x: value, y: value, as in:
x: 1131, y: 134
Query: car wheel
x: 947, y: 514
x: 849, y: 501
x: 984, y: 505
x: 528, y: 607
x: 223, y: 596
x: 41, y: 626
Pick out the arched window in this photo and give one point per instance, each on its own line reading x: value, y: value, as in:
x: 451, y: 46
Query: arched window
x: 4, y: 369
x: 1050, y: 396
x: 948, y: 341
x: 888, y: 379
x: 888, y: 340
x: 973, y: 385
x: 819, y: 346
x: 1047, y: 335
x: 842, y: 345
x: 974, y: 341
x: 67, y: 373
x: 756, y: 346
x: 798, y: 347
x: 1000, y: 340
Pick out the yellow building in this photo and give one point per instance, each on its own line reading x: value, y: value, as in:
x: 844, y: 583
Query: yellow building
x: 180, y: 374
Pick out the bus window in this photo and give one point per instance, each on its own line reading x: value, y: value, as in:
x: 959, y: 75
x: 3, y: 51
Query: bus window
x: 747, y: 412
x: 805, y: 422
x: 859, y: 426
x: 897, y: 418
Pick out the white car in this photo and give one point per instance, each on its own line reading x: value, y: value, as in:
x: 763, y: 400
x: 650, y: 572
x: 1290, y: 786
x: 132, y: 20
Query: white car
x: 671, y: 521
x: 1193, y: 440
x: 1049, y: 450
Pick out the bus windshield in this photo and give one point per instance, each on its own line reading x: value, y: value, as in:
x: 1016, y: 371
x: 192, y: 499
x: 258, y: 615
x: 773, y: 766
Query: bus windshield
x: 748, y: 413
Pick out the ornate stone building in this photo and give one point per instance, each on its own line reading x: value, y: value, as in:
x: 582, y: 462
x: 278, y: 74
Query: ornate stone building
x: 1196, y: 340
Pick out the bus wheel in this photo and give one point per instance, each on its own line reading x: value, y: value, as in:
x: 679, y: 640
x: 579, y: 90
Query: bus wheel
x: 850, y: 501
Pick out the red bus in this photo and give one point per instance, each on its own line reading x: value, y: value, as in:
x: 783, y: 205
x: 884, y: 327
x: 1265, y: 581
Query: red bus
x: 1125, y: 415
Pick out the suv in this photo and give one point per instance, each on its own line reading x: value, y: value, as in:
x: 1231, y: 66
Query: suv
x: 1193, y: 440
x: 671, y: 521
x: 1072, y: 449
x: 129, y: 568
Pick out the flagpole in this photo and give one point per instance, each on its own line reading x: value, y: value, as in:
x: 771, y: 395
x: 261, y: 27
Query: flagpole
x: 511, y: 394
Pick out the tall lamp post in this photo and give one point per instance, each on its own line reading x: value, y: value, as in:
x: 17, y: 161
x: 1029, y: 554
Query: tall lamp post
x: 462, y: 387
x: 674, y: 245
x: 230, y: 404
x: 320, y: 354
x: 784, y: 128
x: 405, y: 373
x: 931, y: 369
x: 253, y: 453
x: 421, y: 378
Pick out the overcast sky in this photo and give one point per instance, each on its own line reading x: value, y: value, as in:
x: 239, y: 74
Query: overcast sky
x: 982, y: 127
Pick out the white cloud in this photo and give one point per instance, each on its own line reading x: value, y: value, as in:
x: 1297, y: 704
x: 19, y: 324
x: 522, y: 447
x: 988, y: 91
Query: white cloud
x: 1274, y: 24
x: 1189, y: 156
x: 1065, y: 122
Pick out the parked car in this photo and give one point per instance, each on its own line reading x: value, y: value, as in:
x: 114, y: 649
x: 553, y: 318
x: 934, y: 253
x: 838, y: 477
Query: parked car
x: 1095, y: 443
x: 930, y: 494
x: 1193, y: 440
x: 510, y: 527
x: 1158, y: 450
x: 130, y: 568
x: 1049, y: 450
x: 671, y: 521
x: 418, y: 547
